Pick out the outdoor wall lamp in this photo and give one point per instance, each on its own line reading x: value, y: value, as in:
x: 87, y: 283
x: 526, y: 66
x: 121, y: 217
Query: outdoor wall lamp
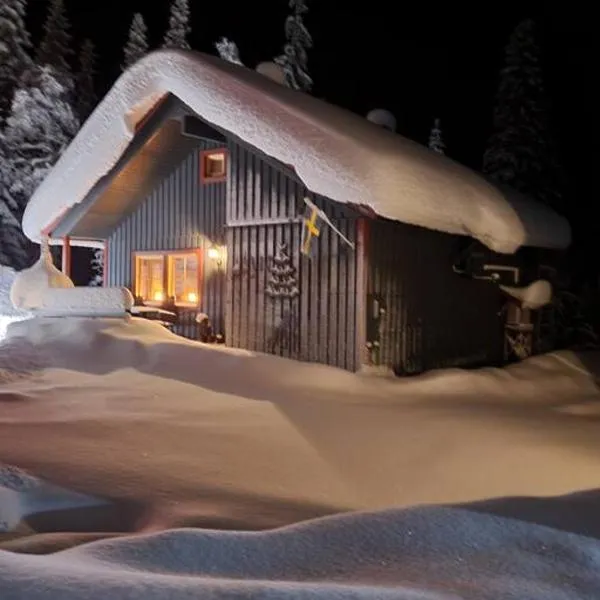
x: 215, y: 254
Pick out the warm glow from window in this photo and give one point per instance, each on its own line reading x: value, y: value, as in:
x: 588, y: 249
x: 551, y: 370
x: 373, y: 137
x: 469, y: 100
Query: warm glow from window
x: 150, y: 278
x: 214, y: 165
x: 183, y: 278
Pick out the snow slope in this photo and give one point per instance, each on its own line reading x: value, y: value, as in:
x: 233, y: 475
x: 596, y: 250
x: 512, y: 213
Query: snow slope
x: 174, y: 435
x: 337, y: 154
x: 418, y: 554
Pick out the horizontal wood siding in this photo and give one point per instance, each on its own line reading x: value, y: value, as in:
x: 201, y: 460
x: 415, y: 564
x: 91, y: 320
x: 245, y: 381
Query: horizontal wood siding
x: 181, y: 213
x: 320, y: 323
x: 433, y: 317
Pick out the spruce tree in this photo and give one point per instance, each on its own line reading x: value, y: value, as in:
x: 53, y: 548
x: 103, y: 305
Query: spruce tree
x: 228, y: 51
x: 137, y: 42
x: 41, y: 125
x: 86, y: 98
x: 14, y: 47
x: 55, y: 48
x: 179, y: 26
x: 294, y: 59
x: 436, y: 142
x: 521, y: 151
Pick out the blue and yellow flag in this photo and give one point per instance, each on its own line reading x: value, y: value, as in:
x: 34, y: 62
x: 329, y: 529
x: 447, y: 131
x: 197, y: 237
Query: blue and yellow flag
x: 311, y: 228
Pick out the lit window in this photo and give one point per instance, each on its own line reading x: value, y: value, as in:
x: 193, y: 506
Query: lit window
x: 150, y: 278
x: 214, y: 166
x: 183, y: 278
x: 166, y: 277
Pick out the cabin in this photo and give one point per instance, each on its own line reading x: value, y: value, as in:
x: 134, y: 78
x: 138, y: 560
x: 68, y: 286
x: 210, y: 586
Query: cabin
x: 295, y: 227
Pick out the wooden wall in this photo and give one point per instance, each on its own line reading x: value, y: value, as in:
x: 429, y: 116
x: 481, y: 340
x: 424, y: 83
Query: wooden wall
x: 181, y: 213
x: 265, y: 209
x: 433, y: 317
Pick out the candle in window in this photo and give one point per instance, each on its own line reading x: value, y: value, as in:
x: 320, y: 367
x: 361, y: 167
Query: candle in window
x: 159, y: 296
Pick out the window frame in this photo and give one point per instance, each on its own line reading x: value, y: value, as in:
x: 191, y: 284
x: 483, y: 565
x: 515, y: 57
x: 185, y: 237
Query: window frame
x: 204, y: 156
x: 165, y: 254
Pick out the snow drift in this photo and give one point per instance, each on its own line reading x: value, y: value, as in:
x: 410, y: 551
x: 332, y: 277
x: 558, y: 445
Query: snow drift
x: 196, y: 448
x: 336, y: 153
x: 420, y: 554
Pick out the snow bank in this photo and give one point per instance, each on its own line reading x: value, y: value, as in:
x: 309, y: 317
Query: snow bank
x: 335, y: 153
x: 84, y: 302
x: 8, y: 313
x: 443, y: 553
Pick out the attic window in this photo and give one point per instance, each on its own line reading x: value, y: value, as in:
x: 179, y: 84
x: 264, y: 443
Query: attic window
x: 214, y: 166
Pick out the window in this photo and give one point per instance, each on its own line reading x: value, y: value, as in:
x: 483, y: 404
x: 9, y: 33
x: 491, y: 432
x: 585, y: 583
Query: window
x: 183, y: 278
x: 214, y: 166
x: 150, y: 277
x: 167, y: 276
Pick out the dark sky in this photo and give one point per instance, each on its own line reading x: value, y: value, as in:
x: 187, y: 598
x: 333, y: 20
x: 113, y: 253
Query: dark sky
x: 419, y: 62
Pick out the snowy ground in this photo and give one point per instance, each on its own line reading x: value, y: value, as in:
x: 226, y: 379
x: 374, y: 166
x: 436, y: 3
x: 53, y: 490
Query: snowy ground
x: 154, y: 432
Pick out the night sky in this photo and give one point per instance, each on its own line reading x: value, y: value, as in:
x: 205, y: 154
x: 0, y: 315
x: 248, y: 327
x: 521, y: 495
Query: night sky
x: 415, y: 60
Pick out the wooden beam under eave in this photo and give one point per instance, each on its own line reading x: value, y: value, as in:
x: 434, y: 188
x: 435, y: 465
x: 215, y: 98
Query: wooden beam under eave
x: 66, y: 256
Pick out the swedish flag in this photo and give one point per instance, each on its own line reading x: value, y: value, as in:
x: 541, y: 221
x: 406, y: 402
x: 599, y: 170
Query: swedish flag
x: 311, y: 227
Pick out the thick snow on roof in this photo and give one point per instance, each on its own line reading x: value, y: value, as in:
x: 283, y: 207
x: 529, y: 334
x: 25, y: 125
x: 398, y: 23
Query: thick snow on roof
x: 336, y: 153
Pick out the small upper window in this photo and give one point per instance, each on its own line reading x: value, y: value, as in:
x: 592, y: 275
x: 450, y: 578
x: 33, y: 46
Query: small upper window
x: 214, y: 166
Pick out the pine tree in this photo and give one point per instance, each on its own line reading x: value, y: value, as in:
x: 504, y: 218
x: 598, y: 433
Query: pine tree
x: 179, y: 26
x: 137, y: 42
x: 55, y: 48
x: 295, y: 58
x: 97, y: 268
x: 14, y: 47
x: 228, y: 51
x: 40, y: 126
x: 86, y: 98
x: 436, y: 142
x: 521, y: 151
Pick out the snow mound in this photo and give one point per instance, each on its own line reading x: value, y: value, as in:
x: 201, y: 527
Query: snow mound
x: 85, y: 301
x: 31, y: 285
x: 336, y: 154
x: 437, y: 553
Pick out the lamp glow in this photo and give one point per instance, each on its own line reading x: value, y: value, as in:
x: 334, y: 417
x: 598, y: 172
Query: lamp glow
x: 213, y: 253
x: 192, y: 297
x: 158, y: 296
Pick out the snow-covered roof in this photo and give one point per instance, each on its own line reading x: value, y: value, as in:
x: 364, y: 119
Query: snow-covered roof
x: 336, y: 154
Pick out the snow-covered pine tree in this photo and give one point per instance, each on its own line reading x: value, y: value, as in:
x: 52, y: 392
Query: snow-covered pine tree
x: 179, y: 26
x: 97, y: 268
x: 436, y: 141
x: 521, y: 151
x: 14, y: 47
x: 41, y: 124
x: 86, y: 98
x: 137, y: 42
x: 294, y: 59
x: 55, y: 48
x: 228, y: 50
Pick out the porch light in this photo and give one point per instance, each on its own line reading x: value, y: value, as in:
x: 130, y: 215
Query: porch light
x: 216, y: 255
x: 213, y: 253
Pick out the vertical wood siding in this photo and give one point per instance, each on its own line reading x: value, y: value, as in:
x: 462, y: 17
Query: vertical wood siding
x: 181, y: 213
x: 434, y: 318
x: 323, y: 316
